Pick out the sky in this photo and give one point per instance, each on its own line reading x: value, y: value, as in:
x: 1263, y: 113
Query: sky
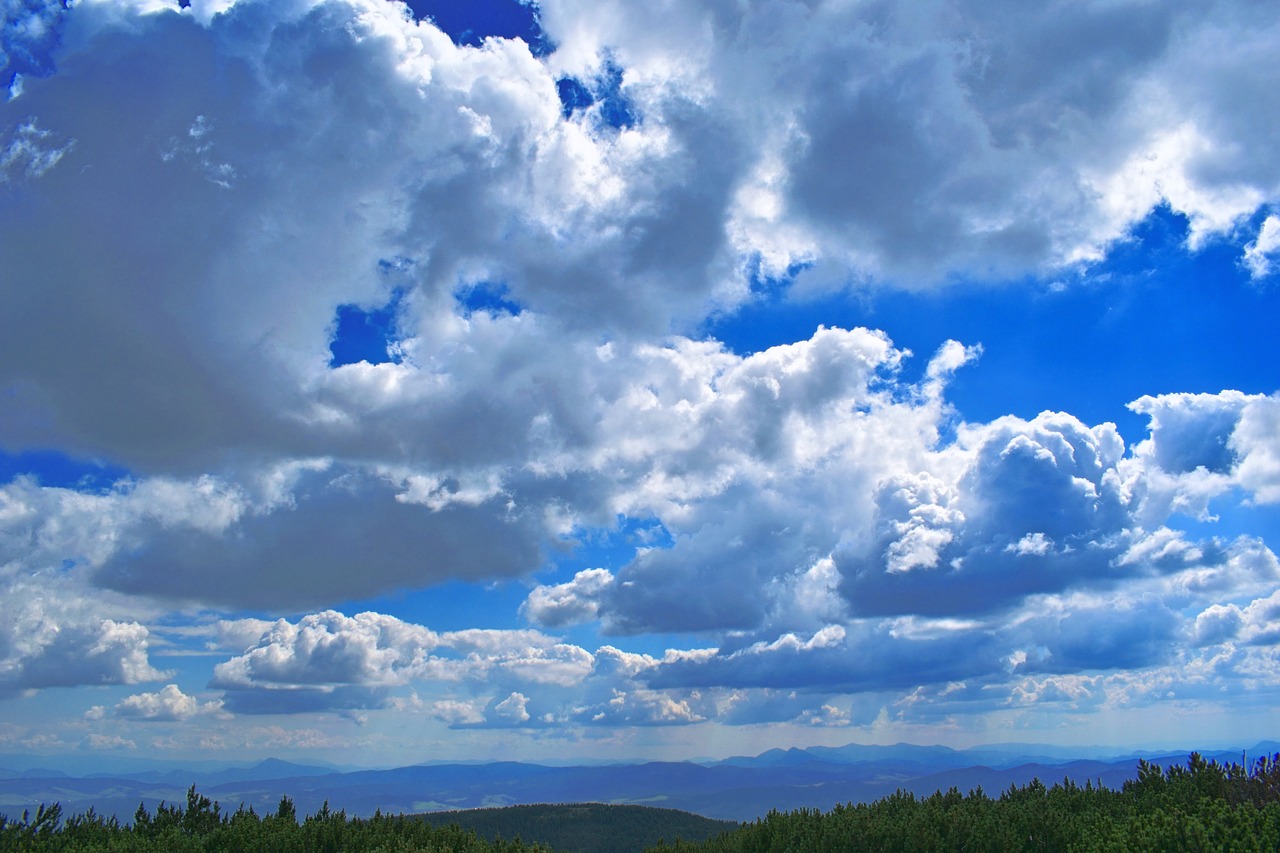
x: 589, y: 379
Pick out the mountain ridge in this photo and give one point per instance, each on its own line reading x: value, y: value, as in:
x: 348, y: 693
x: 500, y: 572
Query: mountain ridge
x: 738, y: 788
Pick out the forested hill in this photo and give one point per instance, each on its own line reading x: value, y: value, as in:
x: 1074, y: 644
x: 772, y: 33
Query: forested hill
x: 739, y: 789
x: 586, y: 827
x: 1202, y: 806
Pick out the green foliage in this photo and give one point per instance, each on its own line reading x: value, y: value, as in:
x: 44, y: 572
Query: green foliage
x: 1202, y: 806
x: 585, y: 827
x: 202, y: 827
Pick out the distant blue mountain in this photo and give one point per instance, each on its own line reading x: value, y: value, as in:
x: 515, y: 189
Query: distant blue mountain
x: 739, y: 788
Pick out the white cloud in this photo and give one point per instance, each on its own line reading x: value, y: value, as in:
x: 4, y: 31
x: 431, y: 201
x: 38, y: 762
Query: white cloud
x: 969, y: 543
x: 328, y: 648
x: 329, y: 661
x: 1074, y: 691
x: 910, y: 155
x: 1217, y: 624
x: 179, y: 244
x: 168, y: 704
x: 1203, y: 444
x: 828, y: 716
x: 1257, y: 441
x: 639, y: 707
x: 52, y: 638
x: 1190, y: 431
x: 458, y: 713
x: 1261, y: 253
x: 512, y: 710
x: 567, y: 603
x: 100, y: 741
x: 944, y: 136
x: 30, y: 152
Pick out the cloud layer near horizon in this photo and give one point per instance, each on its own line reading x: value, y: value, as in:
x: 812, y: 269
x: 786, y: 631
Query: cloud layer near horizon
x: 178, y: 245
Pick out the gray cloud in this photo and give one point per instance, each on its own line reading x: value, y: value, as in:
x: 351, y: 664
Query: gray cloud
x: 63, y: 641
x: 337, y: 521
x: 1190, y: 431
x: 176, y: 246
x: 1038, y: 508
x: 865, y: 660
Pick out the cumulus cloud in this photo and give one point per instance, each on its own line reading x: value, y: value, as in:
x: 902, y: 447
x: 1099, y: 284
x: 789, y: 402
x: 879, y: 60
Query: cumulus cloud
x: 953, y: 135
x: 169, y: 704
x: 1257, y: 440
x: 179, y: 247
x: 330, y: 661
x: 1190, y: 431
x: 51, y: 637
x: 457, y: 713
x: 1217, y: 624
x: 904, y: 145
x: 1201, y: 445
x: 512, y: 710
x: 639, y: 707
x: 326, y: 658
x: 1036, y: 506
x: 567, y: 603
x: 862, y: 659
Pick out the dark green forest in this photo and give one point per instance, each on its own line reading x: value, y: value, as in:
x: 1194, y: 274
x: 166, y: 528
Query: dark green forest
x: 586, y: 827
x: 1201, y: 806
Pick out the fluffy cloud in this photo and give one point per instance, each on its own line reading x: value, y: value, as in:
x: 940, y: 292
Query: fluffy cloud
x: 905, y: 145
x: 1038, y: 506
x: 1256, y: 440
x: 1201, y: 445
x: 512, y: 709
x: 955, y: 135
x: 169, y: 704
x: 568, y: 603
x: 325, y: 661
x: 178, y: 248
x: 639, y: 707
x: 329, y: 661
x: 51, y: 636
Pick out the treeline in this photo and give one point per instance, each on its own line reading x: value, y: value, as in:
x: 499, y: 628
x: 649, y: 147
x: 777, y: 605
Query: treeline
x: 202, y: 827
x: 1202, y: 806
x: 586, y: 827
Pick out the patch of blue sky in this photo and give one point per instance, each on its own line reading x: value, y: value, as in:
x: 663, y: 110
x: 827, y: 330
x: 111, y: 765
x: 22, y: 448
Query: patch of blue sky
x: 457, y: 605
x: 574, y: 96
x: 470, y: 22
x: 1232, y: 516
x: 30, y: 31
x: 451, y: 606
x: 364, y: 334
x: 52, y: 468
x: 614, y: 110
x: 1152, y: 317
x: 369, y: 333
x: 490, y: 297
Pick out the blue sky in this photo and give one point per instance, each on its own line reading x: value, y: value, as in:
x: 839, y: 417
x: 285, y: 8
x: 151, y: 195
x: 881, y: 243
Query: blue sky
x: 490, y: 380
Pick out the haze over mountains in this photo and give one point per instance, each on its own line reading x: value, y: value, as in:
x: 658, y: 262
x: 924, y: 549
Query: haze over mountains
x: 737, y: 788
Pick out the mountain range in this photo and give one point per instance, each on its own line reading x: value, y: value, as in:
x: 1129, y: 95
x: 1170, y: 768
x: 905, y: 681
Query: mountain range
x: 740, y: 788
